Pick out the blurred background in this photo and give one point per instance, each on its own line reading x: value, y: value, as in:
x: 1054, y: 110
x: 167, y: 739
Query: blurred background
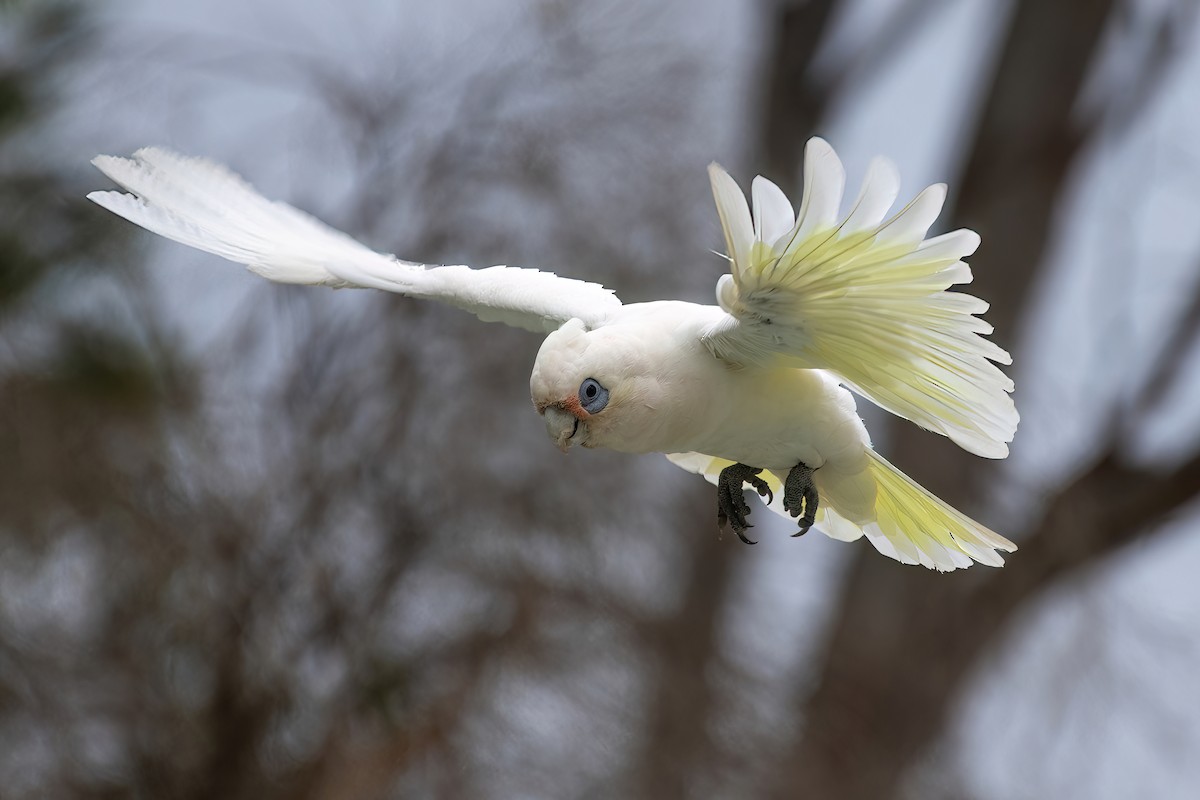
x: 283, y: 542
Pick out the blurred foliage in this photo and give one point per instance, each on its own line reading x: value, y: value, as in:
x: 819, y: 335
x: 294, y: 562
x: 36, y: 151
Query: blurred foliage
x: 41, y: 36
x: 40, y: 229
x: 86, y: 388
x: 75, y: 359
x: 281, y: 592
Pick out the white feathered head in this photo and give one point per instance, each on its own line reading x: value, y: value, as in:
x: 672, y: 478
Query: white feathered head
x: 594, y: 387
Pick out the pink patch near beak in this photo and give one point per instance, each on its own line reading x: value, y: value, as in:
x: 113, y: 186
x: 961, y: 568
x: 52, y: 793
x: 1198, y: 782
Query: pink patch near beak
x: 572, y: 406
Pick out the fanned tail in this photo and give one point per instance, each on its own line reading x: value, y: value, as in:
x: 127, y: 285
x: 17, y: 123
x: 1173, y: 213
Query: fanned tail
x: 915, y: 527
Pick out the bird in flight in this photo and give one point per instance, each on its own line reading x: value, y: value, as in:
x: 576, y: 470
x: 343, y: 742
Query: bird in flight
x: 753, y: 390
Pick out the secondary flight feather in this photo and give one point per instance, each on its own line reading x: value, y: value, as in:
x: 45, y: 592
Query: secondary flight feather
x: 750, y: 391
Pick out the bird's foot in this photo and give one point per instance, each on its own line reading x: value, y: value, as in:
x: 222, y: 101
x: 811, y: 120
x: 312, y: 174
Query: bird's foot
x: 800, y: 496
x: 731, y: 502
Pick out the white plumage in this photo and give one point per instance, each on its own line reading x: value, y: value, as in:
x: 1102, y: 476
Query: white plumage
x: 205, y: 206
x: 815, y: 301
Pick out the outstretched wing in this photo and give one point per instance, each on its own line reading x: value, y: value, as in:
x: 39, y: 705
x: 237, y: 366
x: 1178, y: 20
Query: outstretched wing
x: 863, y: 297
x: 204, y: 205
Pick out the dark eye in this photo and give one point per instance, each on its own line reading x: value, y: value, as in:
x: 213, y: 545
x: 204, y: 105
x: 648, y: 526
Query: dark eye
x: 592, y: 396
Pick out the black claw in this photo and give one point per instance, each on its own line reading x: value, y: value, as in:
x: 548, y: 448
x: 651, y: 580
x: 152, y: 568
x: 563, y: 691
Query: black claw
x: 800, y: 495
x: 732, y: 509
x: 760, y: 486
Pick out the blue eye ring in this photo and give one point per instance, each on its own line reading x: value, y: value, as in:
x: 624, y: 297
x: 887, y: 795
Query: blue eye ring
x: 592, y: 396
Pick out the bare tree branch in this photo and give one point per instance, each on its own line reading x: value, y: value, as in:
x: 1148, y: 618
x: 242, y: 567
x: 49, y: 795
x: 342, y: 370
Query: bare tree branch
x: 1164, y: 373
x: 792, y: 101
x: 870, y: 693
x: 902, y: 646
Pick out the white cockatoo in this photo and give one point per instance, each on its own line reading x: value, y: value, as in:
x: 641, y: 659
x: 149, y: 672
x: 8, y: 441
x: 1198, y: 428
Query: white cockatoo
x: 750, y: 391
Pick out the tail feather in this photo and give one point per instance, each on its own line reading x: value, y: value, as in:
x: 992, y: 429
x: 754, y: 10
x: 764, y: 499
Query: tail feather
x: 914, y: 526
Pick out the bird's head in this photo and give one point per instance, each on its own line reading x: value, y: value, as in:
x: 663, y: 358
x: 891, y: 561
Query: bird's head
x: 593, y: 387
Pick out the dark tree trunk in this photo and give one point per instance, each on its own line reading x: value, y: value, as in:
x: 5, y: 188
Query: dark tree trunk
x: 904, y: 641
x: 679, y: 746
x: 1028, y: 137
x: 793, y: 102
x: 683, y: 708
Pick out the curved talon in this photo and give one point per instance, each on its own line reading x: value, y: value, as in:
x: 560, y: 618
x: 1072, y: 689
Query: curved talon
x: 800, y: 494
x: 761, y: 486
x: 732, y: 509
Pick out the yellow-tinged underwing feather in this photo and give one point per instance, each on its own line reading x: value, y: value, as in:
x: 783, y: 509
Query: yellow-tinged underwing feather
x: 867, y: 299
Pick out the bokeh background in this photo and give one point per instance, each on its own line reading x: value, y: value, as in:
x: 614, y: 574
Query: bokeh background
x: 285, y: 542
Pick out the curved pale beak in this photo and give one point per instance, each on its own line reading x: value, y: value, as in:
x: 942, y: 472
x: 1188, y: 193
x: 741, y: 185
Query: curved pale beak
x: 561, y: 426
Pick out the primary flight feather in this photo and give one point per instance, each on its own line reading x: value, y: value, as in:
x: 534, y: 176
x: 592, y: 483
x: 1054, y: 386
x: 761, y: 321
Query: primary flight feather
x: 750, y: 391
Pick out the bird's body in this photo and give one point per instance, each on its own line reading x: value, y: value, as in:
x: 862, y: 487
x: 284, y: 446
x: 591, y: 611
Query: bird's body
x: 688, y: 401
x: 751, y: 390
